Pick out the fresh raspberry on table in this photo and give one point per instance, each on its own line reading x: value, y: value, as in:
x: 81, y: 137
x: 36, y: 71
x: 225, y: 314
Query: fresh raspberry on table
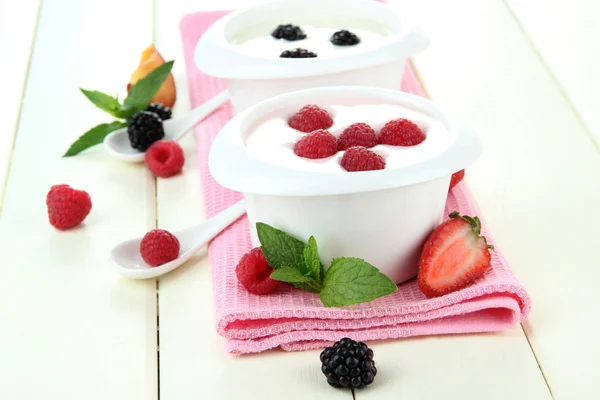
x: 165, y: 158
x: 254, y: 272
x: 361, y: 159
x: 67, y: 207
x: 310, y: 118
x: 457, y: 177
x: 317, y: 144
x: 401, y: 132
x: 359, y: 134
x: 158, y: 247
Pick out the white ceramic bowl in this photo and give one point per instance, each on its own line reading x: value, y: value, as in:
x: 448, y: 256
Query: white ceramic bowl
x: 254, y: 77
x: 381, y: 216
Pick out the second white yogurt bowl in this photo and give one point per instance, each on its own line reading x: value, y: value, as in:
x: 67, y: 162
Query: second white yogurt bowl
x: 256, y: 75
x: 381, y: 216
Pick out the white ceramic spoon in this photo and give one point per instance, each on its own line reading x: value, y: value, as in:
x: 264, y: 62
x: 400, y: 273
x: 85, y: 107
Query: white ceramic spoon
x: 126, y: 257
x: 117, y: 142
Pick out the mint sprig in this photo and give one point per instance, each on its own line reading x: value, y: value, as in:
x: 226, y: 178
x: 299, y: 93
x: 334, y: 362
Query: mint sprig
x: 93, y: 137
x: 139, y: 97
x: 347, y: 281
x: 105, y: 102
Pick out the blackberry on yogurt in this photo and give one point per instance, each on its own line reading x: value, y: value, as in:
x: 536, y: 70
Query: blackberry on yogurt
x: 288, y: 32
x: 344, y: 38
x: 297, y: 53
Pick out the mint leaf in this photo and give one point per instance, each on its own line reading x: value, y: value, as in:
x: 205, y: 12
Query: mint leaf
x: 309, y: 286
x: 104, y: 102
x: 311, y: 260
x: 289, y: 275
x: 352, y: 281
x: 279, y: 248
x: 93, y: 137
x: 142, y: 92
x: 295, y: 277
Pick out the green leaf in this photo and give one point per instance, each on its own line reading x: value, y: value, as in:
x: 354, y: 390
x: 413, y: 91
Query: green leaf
x: 279, y: 248
x: 311, y: 260
x: 142, y: 92
x: 93, y: 137
x: 352, y: 281
x: 104, y: 102
x: 289, y: 275
x: 310, y: 286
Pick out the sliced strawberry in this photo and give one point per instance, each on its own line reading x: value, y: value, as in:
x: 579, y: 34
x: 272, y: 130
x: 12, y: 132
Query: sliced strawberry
x: 454, y: 255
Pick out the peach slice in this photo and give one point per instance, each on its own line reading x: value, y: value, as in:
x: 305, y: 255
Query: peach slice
x: 150, y: 60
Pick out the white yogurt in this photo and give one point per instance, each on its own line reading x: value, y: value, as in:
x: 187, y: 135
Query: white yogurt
x: 273, y: 139
x: 317, y: 41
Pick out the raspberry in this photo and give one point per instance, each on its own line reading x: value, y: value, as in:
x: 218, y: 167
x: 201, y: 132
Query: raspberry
x: 457, y: 177
x: 159, y: 247
x: 310, y: 118
x: 359, y: 134
x: 297, y: 53
x: 254, y: 273
x: 143, y: 129
x: 348, y: 364
x: 288, y: 32
x: 360, y: 159
x: 317, y: 144
x: 401, y: 132
x: 165, y: 158
x: 67, y: 207
x: 163, y: 112
x: 344, y: 38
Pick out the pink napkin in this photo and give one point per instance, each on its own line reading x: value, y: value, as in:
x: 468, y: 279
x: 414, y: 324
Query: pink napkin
x: 295, y: 320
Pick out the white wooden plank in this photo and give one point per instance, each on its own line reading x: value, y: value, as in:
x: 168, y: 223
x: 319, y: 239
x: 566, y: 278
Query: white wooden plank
x: 71, y: 327
x: 566, y: 35
x: 193, y: 362
x: 537, y: 182
x: 17, y: 29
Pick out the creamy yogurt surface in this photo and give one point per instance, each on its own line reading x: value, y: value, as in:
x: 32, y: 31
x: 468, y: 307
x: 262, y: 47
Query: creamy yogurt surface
x: 317, y: 41
x: 272, y: 139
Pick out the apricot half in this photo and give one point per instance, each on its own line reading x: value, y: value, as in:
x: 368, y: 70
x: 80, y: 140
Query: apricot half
x: 150, y: 60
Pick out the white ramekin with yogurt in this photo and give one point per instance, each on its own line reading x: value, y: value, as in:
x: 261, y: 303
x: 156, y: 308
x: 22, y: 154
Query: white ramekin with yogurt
x: 382, y: 216
x: 240, y: 48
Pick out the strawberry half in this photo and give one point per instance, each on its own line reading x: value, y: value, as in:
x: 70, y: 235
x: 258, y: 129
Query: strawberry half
x: 455, y: 254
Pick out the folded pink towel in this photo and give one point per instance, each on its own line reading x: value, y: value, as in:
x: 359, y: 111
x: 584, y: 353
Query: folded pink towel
x: 296, y: 320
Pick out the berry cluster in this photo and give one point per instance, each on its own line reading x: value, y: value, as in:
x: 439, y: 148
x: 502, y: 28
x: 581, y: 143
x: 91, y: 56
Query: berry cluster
x: 292, y: 33
x: 355, y: 140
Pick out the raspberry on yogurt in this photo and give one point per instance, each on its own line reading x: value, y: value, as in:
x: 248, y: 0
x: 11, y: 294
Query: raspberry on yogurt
x: 401, y: 132
x: 315, y: 145
x: 310, y: 118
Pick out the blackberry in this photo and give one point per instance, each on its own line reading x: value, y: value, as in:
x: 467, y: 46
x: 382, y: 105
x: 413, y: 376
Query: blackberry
x: 348, y: 364
x: 344, y: 38
x: 163, y: 112
x: 288, y: 32
x: 143, y: 129
x: 298, y: 53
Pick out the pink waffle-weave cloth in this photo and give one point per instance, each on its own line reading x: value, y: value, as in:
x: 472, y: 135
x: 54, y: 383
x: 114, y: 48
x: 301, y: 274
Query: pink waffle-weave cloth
x: 295, y: 320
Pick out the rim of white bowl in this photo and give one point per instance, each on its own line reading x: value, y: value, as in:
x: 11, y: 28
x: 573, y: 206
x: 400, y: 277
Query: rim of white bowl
x: 233, y: 166
x: 216, y: 56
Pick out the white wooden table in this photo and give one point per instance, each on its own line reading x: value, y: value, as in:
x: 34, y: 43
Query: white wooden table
x: 523, y: 73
